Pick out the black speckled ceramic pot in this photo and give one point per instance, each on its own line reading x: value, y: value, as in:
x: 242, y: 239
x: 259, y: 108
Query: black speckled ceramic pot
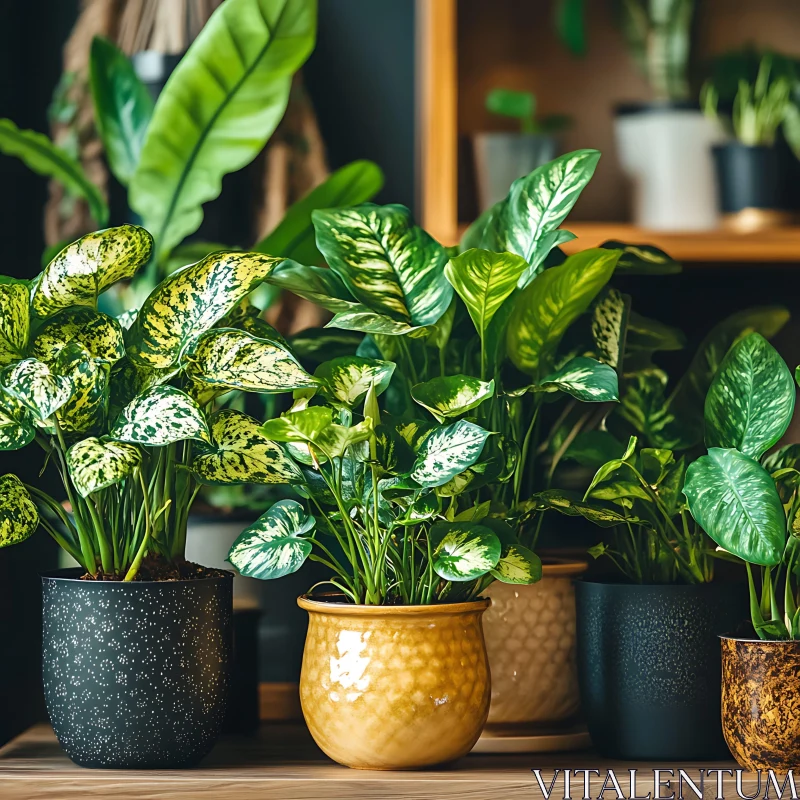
x: 136, y: 675
x: 649, y: 667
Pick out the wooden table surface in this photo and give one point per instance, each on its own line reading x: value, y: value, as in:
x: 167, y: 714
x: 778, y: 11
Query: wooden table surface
x: 282, y: 763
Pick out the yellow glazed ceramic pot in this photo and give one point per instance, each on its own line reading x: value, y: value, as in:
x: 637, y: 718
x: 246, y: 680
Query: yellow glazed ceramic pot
x: 394, y: 687
x: 530, y: 638
x: 761, y: 702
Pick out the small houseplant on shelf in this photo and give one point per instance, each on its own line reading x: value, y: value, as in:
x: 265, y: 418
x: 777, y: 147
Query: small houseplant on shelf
x: 754, y: 170
x: 503, y: 156
x: 136, y: 640
x: 748, y: 503
x: 418, y: 309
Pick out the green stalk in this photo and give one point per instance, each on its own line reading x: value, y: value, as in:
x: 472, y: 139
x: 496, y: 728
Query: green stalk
x: 524, y: 454
x: 137, y: 561
x: 106, y: 556
x: 755, y: 608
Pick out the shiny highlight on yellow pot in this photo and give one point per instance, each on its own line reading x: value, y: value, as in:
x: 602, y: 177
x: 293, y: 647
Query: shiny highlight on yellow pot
x: 394, y: 687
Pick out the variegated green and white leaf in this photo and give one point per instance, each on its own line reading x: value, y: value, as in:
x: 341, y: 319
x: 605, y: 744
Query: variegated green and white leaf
x: 17, y: 427
x: 734, y: 500
x: 585, y: 379
x: 95, y: 463
x: 484, y: 280
x: 275, y: 544
x: 415, y: 432
x: 19, y: 517
x: 190, y: 301
x: 452, y: 395
x: 41, y: 391
x: 518, y: 565
x: 99, y: 334
x: 549, y: 305
x: 347, y: 379
x: 463, y: 551
x: 360, y: 318
x: 83, y: 270
x: 526, y: 222
x: 751, y: 400
x: 160, y: 416
x: 234, y: 359
x: 129, y: 380
x: 386, y: 261
x: 448, y: 451
x: 642, y: 259
x: 14, y: 321
x: 240, y: 453
x: 85, y: 411
x: 572, y: 505
x: 321, y: 286
x: 609, y: 325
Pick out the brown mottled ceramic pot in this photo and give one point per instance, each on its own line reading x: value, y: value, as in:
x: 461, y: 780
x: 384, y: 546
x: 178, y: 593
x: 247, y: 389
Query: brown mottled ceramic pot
x: 761, y: 702
x: 530, y: 638
x: 394, y: 687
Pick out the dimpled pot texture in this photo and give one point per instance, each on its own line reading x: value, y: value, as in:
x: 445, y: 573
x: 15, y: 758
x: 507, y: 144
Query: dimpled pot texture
x: 649, y: 667
x: 530, y: 638
x: 136, y: 675
x: 394, y: 687
x: 761, y: 702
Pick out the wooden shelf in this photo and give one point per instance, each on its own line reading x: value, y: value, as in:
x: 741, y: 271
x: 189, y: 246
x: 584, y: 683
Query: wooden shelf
x: 283, y: 763
x: 775, y: 246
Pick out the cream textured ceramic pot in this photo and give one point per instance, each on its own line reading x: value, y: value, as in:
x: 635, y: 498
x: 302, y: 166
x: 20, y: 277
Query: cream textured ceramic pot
x: 530, y: 638
x: 394, y: 687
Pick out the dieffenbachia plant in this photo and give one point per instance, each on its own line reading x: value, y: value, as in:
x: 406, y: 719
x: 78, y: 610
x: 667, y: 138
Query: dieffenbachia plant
x: 235, y: 78
x: 123, y: 408
x: 381, y: 498
x: 746, y: 500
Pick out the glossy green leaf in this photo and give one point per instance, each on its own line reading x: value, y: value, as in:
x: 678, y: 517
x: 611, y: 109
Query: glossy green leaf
x: 83, y: 270
x: 571, y: 505
x: 160, y: 416
x: 17, y: 427
x: 518, y: 565
x: 525, y: 222
x: 687, y: 400
x: 218, y: 109
x: 484, y: 280
x: 36, y: 387
x: 19, y: 517
x: 95, y: 463
x: 463, y: 551
x: 85, y: 411
x: 610, y: 313
x: 751, y: 399
x: 233, y: 359
x: 642, y: 259
x: 190, y: 301
x: 45, y: 158
x: 293, y: 237
x: 593, y: 448
x: 240, y: 453
x: 360, y: 318
x: 452, y: 395
x: 347, y: 379
x: 734, y: 499
x: 548, y: 306
x: 388, y: 263
x: 98, y: 334
x: 317, y: 284
x: 448, y: 451
x: 14, y: 321
x: 585, y: 379
x: 275, y: 544
x: 122, y: 107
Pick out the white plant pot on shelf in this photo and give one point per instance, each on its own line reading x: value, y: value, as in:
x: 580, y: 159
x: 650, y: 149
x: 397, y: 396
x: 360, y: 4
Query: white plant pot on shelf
x: 665, y: 150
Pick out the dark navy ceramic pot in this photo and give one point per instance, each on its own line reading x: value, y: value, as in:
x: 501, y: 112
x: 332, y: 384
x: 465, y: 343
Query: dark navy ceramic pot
x: 136, y: 675
x: 649, y: 667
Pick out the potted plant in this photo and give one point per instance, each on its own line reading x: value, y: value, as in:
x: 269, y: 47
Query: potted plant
x: 503, y: 156
x: 136, y: 640
x: 662, y: 558
x: 747, y: 501
x: 754, y: 169
x: 664, y: 145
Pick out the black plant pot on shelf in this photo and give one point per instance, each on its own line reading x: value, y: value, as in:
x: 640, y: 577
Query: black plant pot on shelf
x: 136, y: 675
x: 649, y: 667
x: 755, y: 180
